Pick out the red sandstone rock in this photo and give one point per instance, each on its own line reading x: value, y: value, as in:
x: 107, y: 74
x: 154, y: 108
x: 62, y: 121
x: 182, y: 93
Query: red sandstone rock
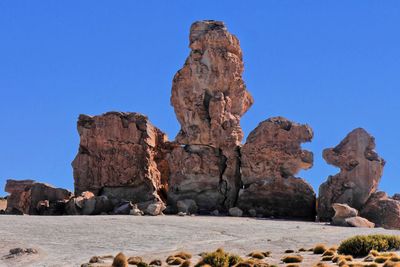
x: 205, y: 175
x: 382, y: 210
x: 270, y: 159
x: 360, y: 172
x: 209, y: 98
x: 30, y: 197
x: 208, y: 93
x: 118, y: 157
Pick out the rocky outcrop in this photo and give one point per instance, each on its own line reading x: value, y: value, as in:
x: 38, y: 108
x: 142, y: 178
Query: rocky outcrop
x: 30, y: 197
x: 208, y: 93
x: 120, y: 156
x: 270, y: 159
x: 360, y: 172
x: 209, y: 98
x: 205, y: 175
x: 382, y: 210
x: 348, y: 216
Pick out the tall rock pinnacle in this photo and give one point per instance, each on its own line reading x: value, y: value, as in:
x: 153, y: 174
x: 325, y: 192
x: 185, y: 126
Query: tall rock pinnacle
x: 208, y: 93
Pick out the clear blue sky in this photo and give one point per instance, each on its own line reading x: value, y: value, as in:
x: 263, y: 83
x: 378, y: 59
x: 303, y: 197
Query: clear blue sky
x: 332, y: 64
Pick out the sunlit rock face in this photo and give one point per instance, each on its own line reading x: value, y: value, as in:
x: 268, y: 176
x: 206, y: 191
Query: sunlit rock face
x: 209, y: 98
x: 30, y: 197
x: 208, y: 94
x: 270, y: 159
x: 360, y: 172
x: 120, y: 155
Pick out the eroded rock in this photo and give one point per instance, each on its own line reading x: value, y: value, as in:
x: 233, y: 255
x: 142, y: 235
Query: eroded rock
x: 382, y: 210
x: 119, y: 153
x: 30, y: 197
x: 270, y: 159
x: 208, y: 93
x: 207, y: 175
x: 360, y: 172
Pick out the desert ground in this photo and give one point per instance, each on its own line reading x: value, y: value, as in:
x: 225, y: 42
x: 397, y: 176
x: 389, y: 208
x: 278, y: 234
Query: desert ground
x: 72, y: 240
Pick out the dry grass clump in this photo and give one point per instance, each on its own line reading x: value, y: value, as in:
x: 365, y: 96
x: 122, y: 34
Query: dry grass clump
x: 391, y: 264
x: 172, y: 260
x: 134, y: 260
x: 289, y: 251
x: 155, y: 262
x: 120, y: 261
x: 142, y: 264
x: 186, y: 263
x: 361, y: 245
x: 321, y: 264
x: 257, y: 255
x: 292, y: 259
x: 292, y: 265
x: 219, y: 258
x: 319, y: 249
x: 328, y: 253
x: 381, y: 259
x: 302, y: 250
x: 183, y: 255
x: 327, y: 258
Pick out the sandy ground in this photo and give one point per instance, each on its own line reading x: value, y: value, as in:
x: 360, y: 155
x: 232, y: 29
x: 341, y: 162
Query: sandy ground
x: 72, y: 240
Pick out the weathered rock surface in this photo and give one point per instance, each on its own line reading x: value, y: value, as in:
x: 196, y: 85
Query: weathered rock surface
x: 342, y: 212
x: 270, y: 159
x: 26, y: 196
x: 208, y: 93
x: 348, y: 216
x: 359, y: 222
x: 382, y: 210
x: 204, y: 174
x: 120, y: 154
x: 360, y: 172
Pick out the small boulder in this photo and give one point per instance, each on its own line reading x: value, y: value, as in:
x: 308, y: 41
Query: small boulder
x: 235, y: 212
x: 359, y: 222
x: 155, y: 209
x: 342, y: 212
x: 187, y: 206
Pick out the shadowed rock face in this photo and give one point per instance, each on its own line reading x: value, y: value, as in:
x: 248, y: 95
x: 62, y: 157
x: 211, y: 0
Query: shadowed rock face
x: 208, y: 93
x: 270, y: 159
x: 25, y: 196
x: 360, y: 172
x: 119, y: 151
x: 204, y: 174
x: 382, y: 210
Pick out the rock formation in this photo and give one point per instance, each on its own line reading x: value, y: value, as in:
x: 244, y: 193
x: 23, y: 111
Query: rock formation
x: 270, y: 159
x: 208, y: 93
x: 30, y: 197
x: 120, y: 157
x: 209, y: 98
x: 360, y: 172
x: 382, y: 210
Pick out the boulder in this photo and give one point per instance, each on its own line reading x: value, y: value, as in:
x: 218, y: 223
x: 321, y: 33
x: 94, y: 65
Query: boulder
x: 26, y: 196
x: 208, y: 94
x: 187, y: 206
x: 359, y: 222
x: 235, y: 212
x: 360, y: 172
x: 119, y: 154
x: 342, y: 212
x: 382, y: 210
x: 155, y: 209
x: 270, y: 159
x: 123, y: 208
